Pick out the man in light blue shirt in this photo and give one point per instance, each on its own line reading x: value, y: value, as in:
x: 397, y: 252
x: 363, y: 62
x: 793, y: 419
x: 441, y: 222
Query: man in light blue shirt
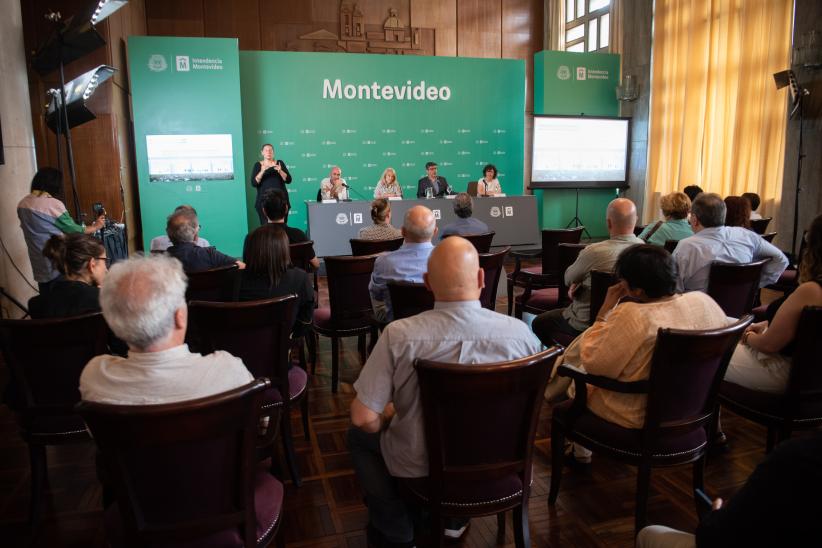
x: 407, y: 264
x: 465, y: 223
x: 712, y: 241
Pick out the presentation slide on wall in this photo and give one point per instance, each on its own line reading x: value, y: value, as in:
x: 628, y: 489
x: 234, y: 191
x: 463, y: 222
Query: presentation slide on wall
x: 572, y: 150
x: 180, y: 158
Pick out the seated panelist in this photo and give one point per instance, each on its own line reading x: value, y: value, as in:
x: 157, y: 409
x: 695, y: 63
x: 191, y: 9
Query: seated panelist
x: 334, y: 187
x: 438, y: 185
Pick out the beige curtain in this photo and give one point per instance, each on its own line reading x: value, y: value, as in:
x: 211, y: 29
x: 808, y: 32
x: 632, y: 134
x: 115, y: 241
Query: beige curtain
x: 717, y: 120
x: 615, y: 28
x: 556, y: 25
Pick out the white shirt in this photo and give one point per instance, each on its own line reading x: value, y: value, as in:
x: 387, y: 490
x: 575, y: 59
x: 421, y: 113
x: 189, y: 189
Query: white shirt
x: 727, y: 244
x: 173, y: 375
x: 484, y: 187
x: 326, y: 186
x: 162, y: 243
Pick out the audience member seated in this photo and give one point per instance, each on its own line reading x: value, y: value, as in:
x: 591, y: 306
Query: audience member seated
x: 382, y: 228
x: 714, y: 242
x: 737, y: 212
x: 81, y: 261
x: 162, y: 243
x: 386, y: 440
x: 182, y: 228
x: 762, y: 360
x: 465, y: 223
x: 754, y: 200
x: 573, y: 320
x: 276, y: 207
x: 692, y: 191
x: 407, y: 264
x: 620, y: 343
x: 774, y: 508
x: 143, y: 302
x: 675, y: 208
x: 269, y: 274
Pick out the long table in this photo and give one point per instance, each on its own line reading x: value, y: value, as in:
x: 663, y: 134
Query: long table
x: 331, y: 225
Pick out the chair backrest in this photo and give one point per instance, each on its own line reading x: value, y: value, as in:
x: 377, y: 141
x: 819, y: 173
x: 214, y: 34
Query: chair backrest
x: 638, y: 230
x: 258, y: 332
x: 734, y: 285
x: 220, y: 284
x: 319, y: 195
x: 301, y: 254
x: 566, y: 255
x: 482, y: 242
x: 204, y: 448
x: 46, y: 357
x: 372, y: 247
x: 760, y: 225
x: 804, y: 394
x: 492, y: 264
x: 551, y: 239
x: 670, y: 245
x: 472, y: 188
x: 686, y: 370
x: 600, y: 282
x: 348, y: 295
x: 505, y: 398
x: 409, y: 299
x: 769, y: 237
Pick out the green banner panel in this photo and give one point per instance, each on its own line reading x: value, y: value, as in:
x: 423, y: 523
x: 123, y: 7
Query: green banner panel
x: 369, y: 112
x: 188, y: 135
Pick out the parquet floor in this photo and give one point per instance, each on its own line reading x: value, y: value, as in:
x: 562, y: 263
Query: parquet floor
x: 595, y: 508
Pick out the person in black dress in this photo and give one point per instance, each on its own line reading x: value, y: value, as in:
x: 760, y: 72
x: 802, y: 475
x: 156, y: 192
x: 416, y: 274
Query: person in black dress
x: 82, y: 263
x: 267, y: 174
x: 269, y: 274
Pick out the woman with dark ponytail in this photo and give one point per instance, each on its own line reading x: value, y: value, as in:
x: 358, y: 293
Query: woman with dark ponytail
x: 82, y: 263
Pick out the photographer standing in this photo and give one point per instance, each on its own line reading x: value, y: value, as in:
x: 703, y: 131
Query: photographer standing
x: 41, y: 216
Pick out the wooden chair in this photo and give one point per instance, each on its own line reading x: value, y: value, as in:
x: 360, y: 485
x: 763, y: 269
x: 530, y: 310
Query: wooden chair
x: 638, y: 229
x: 800, y: 407
x: 349, y: 313
x: 360, y: 248
x: 600, y: 282
x: 473, y: 189
x: 686, y: 370
x: 473, y: 473
x: 258, y: 332
x: 670, y: 245
x: 409, y: 299
x: 734, y: 286
x: 541, y: 300
x: 769, y: 237
x: 493, y: 265
x: 301, y: 254
x: 45, y: 359
x: 482, y: 242
x: 220, y: 284
x: 186, y: 472
x: 548, y: 274
x: 760, y: 225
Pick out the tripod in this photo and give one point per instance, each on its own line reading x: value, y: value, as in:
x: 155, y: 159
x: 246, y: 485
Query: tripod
x: 576, y: 221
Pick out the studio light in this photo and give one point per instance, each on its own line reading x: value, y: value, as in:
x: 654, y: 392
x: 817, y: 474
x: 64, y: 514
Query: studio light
x: 77, y: 92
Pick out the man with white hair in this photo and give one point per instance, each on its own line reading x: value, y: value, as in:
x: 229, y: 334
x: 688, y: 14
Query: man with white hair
x: 143, y: 302
x: 183, y: 228
x: 406, y: 264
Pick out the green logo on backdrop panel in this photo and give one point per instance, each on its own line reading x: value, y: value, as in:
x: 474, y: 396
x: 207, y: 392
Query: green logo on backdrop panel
x: 188, y: 135
x: 369, y: 112
x: 576, y: 83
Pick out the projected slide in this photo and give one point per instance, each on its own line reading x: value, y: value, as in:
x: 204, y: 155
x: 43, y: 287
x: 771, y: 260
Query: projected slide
x: 179, y: 158
x: 579, y: 150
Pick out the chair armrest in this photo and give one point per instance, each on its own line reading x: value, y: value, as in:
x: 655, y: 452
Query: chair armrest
x: 538, y: 281
x: 634, y: 387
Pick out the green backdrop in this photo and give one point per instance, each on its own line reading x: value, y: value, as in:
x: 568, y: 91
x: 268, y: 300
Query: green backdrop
x: 478, y: 120
x: 189, y: 86
x: 573, y: 84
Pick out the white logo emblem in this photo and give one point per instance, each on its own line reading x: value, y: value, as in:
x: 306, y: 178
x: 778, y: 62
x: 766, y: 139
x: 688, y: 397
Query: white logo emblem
x: 509, y: 211
x: 582, y: 73
x: 342, y: 218
x: 358, y: 218
x: 183, y: 64
x: 563, y: 72
x: 495, y: 212
x: 157, y: 63
x: 437, y: 214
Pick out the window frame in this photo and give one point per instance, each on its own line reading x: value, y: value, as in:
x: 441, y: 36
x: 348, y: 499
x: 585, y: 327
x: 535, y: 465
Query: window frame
x: 585, y: 20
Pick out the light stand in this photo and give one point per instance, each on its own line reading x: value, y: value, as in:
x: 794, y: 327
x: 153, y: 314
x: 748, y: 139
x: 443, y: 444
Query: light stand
x: 576, y: 221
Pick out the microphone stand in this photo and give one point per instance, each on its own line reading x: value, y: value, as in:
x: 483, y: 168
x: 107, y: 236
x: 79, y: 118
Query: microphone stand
x: 355, y: 191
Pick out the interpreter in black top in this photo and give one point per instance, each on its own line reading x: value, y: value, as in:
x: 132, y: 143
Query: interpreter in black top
x: 268, y: 174
x: 269, y: 274
x: 182, y: 229
x: 82, y: 263
x: 275, y: 209
x: 438, y: 185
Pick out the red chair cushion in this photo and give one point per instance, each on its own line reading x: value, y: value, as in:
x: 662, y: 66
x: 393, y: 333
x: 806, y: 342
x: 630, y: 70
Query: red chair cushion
x: 472, y: 494
x: 543, y: 299
x: 297, y: 382
x: 322, y: 317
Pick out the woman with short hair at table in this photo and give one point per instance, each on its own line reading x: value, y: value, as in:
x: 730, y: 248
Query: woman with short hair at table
x: 388, y: 187
x: 489, y: 185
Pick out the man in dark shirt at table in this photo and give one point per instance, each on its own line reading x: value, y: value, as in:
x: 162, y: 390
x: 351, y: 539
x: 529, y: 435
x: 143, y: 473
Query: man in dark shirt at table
x: 437, y: 184
x: 275, y: 208
x: 182, y: 229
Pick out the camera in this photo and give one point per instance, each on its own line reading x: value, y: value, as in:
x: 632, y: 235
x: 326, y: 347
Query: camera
x: 98, y: 209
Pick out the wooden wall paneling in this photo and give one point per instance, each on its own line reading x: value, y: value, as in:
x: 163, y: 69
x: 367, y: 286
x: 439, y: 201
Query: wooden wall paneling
x: 441, y: 16
x: 286, y: 11
x: 282, y: 21
x: 479, y: 26
x: 176, y: 18
x: 237, y: 19
x: 522, y: 37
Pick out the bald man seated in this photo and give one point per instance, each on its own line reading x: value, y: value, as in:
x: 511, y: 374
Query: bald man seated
x: 386, y: 440
x: 573, y: 320
x: 407, y: 263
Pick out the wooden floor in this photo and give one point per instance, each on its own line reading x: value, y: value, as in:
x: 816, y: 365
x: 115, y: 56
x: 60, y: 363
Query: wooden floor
x: 595, y: 508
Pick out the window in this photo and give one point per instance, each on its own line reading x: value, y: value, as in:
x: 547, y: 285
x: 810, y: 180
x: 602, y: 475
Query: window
x: 587, y: 25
